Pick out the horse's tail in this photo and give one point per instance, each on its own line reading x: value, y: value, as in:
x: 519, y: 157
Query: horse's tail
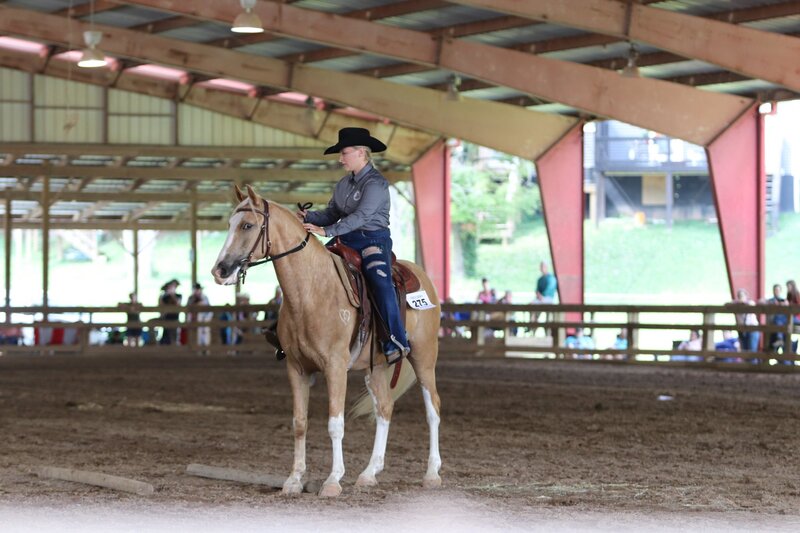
x: 365, y: 405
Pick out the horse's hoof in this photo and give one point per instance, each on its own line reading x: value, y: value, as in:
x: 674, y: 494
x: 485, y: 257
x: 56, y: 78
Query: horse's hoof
x: 292, y: 486
x: 365, y: 480
x: 330, y: 490
x: 431, y: 482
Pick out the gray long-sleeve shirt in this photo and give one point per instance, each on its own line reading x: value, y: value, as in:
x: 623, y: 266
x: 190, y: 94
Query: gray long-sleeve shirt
x: 360, y: 202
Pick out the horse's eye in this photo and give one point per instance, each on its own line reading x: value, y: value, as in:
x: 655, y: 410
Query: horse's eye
x: 246, y: 226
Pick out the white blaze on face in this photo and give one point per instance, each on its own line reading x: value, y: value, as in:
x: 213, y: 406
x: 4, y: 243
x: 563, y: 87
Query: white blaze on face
x: 227, y: 249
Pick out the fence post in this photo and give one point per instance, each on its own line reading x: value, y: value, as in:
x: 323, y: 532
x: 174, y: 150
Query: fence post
x: 633, y: 333
x: 559, y: 334
x: 709, y: 319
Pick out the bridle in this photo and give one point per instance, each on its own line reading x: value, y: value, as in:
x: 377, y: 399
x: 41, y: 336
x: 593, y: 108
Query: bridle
x: 264, y: 241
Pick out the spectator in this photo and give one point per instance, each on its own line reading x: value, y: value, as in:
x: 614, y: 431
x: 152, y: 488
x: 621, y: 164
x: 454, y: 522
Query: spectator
x: 507, y: 299
x: 197, y: 298
x: 748, y: 339
x: 793, y: 298
x: 133, y: 335
x: 242, y: 334
x: 271, y: 329
x: 169, y: 297
x: 694, y: 344
x: 621, y: 342
x: 546, y: 286
x: 454, y: 331
x: 11, y: 335
x: 486, y: 295
x: 729, y: 343
x: 579, y: 341
x: 776, y: 338
x: 277, y: 299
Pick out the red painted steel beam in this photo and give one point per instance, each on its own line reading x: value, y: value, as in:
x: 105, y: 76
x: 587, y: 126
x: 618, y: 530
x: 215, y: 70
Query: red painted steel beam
x: 736, y: 165
x: 560, y: 172
x: 431, y: 178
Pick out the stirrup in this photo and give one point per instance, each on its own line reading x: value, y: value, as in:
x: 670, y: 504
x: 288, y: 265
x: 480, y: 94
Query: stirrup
x: 396, y: 352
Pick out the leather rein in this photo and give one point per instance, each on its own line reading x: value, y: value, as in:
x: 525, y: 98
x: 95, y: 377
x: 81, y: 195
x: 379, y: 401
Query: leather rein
x: 264, y: 241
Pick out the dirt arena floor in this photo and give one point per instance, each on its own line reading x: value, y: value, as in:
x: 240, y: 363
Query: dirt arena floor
x: 525, y: 442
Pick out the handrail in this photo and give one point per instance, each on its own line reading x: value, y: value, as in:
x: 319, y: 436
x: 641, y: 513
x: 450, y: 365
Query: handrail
x: 559, y: 319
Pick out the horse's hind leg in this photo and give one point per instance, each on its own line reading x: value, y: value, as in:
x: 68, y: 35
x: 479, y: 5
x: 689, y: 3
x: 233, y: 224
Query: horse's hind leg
x: 382, y: 401
x: 299, y: 382
x: 426, y: 374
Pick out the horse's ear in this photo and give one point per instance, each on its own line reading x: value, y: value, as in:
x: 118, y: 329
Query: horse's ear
x: 238, y: 192
x: 252, y: 194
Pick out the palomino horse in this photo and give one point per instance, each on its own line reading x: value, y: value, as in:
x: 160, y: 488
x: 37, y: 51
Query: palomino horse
x: 316, y: 323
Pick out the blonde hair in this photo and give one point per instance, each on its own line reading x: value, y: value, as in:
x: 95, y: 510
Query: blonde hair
x: 367, y: 152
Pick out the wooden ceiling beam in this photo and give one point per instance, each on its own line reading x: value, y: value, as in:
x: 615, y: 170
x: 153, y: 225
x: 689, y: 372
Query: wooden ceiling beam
x: 18, y: 149
x: 175, y: 197
x: 118, y: 224
x: 457, y: 30
x: 736, y: 48
x: 405, y: 145
x: 375, y: 13
x: 683, y: 112
x: 90, y: 173
x: 519, y: 132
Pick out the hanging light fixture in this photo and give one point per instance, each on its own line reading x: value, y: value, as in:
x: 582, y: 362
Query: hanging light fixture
x: 92, y: 57
x: 631, y: 70
x: 247, y: 21
x: 453, y: 83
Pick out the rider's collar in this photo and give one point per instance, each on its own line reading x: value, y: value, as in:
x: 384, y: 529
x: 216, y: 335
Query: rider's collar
x: 361, y: 173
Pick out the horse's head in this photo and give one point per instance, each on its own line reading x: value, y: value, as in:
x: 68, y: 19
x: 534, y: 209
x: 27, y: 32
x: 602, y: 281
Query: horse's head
x: 246, y: 239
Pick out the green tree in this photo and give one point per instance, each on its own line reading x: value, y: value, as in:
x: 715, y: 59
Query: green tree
x: 487, y: 191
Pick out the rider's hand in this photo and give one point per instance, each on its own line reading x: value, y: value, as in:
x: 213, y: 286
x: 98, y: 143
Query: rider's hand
x: 313, y: 228
x: 301, y: 214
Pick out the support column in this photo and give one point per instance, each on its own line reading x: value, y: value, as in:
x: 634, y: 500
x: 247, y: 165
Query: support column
x: 136, y: 262
x: 193, y: 230
x: 431, y: 178
x: 560, y: 171
x: 8, y: 253
x: 45, y: 241
x: 736, y: 165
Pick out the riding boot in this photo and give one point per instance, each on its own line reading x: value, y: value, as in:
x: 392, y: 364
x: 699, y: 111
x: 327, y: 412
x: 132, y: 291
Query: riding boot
x: 271, y: 334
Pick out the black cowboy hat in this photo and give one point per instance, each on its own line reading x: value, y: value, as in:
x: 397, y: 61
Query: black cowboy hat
x: 170, y: 282
x: 355, y: 137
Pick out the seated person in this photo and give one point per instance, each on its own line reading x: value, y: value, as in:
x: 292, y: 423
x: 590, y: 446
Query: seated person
x: 579, y: 341
x: 729, y: 343
x: 694, y: 344
x: 621, y: 342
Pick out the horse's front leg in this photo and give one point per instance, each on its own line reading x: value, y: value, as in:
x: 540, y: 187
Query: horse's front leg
x: 378, y: 388
x: 336, y: 375
x: 300, y: 384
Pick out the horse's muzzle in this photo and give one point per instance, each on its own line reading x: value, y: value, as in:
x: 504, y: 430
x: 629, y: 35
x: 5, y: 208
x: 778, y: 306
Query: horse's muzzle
x: 225, y: 274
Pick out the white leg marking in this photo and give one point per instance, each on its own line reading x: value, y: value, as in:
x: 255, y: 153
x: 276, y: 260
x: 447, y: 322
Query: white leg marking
x: 432, y: 478
x: 336, y: 431
x: 375, y: 466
